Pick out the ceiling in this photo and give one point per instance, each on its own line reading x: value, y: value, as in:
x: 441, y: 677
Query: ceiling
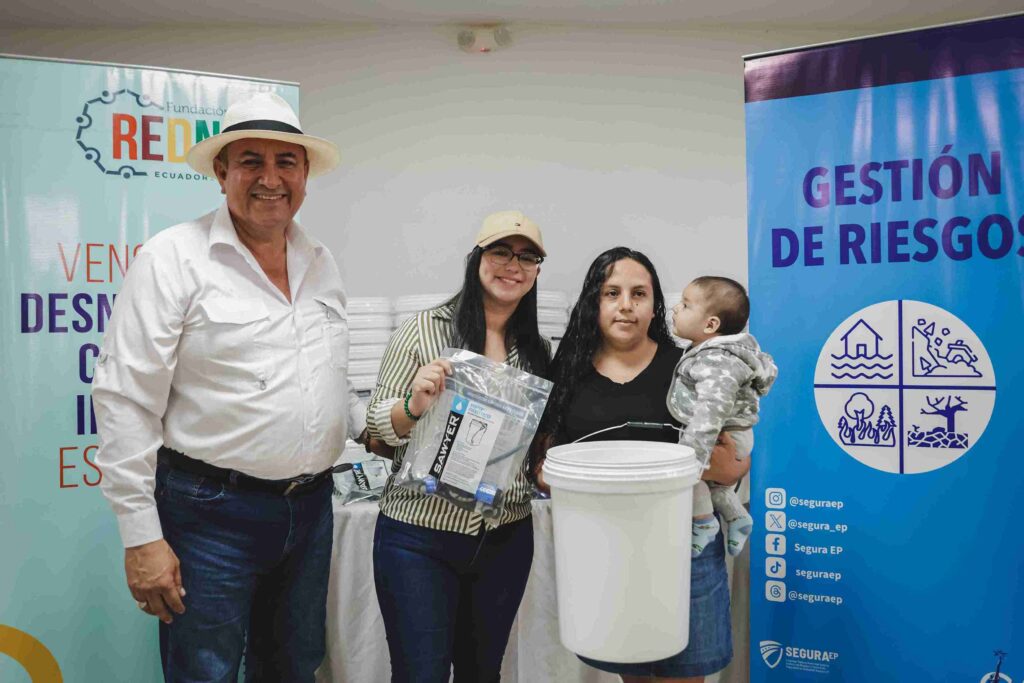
x: 875, y: 15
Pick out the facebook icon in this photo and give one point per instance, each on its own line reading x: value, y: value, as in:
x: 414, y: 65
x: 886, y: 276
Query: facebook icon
x: 775, y: 544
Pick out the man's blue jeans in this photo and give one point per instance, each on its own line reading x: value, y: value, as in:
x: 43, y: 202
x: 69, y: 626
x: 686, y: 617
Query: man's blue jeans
x: 255, y: 567
x: 448, y: 598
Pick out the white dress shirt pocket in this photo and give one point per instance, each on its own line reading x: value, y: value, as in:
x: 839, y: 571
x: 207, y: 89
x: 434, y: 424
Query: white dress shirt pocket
x: 231, y: 339
x: 334, y: 320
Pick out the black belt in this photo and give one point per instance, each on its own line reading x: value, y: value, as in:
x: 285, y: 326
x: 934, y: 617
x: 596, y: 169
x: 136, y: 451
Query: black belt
x: 236, y: 479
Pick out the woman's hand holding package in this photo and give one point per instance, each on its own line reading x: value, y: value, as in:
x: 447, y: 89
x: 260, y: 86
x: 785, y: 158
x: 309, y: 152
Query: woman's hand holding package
x: 427, y: 385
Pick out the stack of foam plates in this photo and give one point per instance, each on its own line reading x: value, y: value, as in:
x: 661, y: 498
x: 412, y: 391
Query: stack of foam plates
x: 408, y: 306
x: 370, y: 322
x: 368, y: 305
x: 552, y: 315
x: 553, y: 300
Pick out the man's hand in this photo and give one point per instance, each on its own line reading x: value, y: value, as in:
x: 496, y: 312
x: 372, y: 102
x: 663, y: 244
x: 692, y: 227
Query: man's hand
x: 154, y: 579
x: 724, y: 467
x: 379, y: 447
x: 376, y: 446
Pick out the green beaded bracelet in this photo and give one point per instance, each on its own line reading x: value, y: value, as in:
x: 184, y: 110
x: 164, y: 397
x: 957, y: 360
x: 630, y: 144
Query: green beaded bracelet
x: 408, y: 413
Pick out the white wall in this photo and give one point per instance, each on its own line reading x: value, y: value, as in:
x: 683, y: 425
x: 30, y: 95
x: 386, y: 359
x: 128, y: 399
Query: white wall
x: 605, y: 136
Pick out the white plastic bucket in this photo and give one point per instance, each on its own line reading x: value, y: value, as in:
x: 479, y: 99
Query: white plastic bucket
x: 622, y: 513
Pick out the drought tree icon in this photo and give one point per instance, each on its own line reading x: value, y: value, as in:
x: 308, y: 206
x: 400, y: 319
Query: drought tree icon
x: 947, y: 411
x: 994, y: 676
x: 941, y: 437
x: 861, y: 432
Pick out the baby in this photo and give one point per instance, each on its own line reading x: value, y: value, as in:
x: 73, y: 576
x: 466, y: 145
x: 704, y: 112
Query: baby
x: 717, y: 385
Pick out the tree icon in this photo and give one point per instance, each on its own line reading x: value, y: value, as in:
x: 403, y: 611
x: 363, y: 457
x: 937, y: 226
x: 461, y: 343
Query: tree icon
x: 859, y: 431
x: 939, y: 437
x: 859, y: 407
x: 947, y: 411
x: 886, y: 424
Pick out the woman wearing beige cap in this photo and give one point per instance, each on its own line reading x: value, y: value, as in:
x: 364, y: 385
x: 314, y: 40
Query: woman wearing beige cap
x: 449, y: 584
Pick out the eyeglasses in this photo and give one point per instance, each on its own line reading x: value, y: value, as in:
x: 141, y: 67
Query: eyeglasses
x: 501, y: 255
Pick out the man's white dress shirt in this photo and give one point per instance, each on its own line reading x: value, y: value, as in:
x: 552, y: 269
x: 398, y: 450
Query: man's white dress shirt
x: 205, y: 355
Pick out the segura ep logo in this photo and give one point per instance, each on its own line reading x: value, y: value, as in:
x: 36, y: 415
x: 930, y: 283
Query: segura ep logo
x: 771, y: 653
x: 794, y: 658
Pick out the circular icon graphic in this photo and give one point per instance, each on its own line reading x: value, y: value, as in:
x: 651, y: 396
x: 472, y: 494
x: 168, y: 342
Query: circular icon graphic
x: 904, y: 386
x: 36, y: 659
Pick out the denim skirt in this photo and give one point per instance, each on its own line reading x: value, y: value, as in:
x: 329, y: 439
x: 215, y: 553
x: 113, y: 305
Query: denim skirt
x: 710, y: 646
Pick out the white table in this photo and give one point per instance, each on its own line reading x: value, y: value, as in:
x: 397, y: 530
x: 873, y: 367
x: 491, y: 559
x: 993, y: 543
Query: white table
x: 357, y: 648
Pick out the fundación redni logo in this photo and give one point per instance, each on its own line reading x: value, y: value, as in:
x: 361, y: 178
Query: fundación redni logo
x: 127, y: 134
x: 771, y: 653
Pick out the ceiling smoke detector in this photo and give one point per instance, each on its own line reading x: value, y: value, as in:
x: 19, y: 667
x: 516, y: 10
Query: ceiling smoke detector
x: 483, y: 38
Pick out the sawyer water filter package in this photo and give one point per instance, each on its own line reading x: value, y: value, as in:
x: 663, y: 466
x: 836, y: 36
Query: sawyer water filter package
x: 362, y: 481
x: 469, y: 447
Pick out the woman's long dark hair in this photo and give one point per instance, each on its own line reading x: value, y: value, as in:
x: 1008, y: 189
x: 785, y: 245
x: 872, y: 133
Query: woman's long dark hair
x: 575, y: 356
x: 471, y: 328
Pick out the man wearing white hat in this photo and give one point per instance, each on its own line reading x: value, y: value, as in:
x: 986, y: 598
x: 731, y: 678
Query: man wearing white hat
x: 222, y: 401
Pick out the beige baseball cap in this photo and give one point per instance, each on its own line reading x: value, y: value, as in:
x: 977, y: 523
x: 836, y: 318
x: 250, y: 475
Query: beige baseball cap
x: 507, y: 223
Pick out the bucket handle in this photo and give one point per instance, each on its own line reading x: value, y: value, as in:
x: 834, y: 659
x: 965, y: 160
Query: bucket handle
x: 641, y: 425
x: 631, y: 423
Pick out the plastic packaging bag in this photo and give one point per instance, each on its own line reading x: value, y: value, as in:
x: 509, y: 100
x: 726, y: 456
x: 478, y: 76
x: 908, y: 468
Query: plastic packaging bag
x: 469, y: 447
x: 362, y: 481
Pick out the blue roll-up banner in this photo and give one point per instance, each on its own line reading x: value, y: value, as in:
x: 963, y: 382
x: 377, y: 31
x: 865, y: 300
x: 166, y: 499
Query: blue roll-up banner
x: 886, y: 233
x: 92, y: 164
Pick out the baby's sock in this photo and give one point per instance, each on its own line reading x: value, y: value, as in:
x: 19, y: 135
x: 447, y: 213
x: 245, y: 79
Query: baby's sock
x: 738, y: 531
x: 738, y: 520
x: 705, y: 528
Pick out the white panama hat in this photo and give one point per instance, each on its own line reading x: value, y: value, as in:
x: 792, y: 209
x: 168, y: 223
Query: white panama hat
x: 266, y: 116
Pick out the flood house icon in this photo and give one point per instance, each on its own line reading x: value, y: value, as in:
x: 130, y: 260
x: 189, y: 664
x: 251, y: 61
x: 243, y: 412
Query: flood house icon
x: 860, y: 348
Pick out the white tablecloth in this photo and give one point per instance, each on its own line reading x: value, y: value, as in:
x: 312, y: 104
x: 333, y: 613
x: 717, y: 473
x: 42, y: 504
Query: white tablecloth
x: 357, y: 648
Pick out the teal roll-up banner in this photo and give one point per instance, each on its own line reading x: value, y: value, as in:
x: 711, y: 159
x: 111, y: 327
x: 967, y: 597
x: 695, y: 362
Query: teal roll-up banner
x: 886, y: 232
x: 92, y: 166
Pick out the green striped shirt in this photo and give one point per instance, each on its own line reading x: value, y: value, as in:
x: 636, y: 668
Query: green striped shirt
x: 415, y: 343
